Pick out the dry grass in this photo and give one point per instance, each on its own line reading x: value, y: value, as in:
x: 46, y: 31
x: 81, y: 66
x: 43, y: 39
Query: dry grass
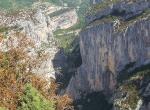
x: 14, y: 75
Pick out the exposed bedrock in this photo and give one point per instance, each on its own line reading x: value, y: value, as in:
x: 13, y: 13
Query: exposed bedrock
x: 124, y: 9
x: 105, y: 52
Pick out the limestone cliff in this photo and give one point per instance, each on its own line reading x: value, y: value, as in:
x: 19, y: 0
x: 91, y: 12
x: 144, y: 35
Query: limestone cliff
x: 36, y: 25
x: 115, y: 36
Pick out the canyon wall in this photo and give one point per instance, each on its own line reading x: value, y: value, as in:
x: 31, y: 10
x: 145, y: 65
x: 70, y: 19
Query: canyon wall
x: 114, y: 37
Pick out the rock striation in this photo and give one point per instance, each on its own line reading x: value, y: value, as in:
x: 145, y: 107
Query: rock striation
x: 106, y: 50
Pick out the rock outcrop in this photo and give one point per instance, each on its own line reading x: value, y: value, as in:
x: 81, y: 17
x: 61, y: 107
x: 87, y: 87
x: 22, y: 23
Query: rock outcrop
x: 133, y: 90
x: 112, y: 40
x: 124, y: 9
x: 66, y: 19
x: 36, y: 24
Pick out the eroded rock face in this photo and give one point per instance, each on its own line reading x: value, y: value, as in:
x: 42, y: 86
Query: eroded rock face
x: 124, y: 9
x: 105, y: 52
x: 36, y: 24
x: 65, y: 20
x: 37, y: 27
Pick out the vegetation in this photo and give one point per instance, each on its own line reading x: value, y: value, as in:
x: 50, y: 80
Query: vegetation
x: 102, y: 5
x: 21, y: 89
x: 126, y: 23
x: 33, y: 100
x: 130, y: 85
x: 68, y: 41
x: 73, y: 61
x: 123, y: 24
x: 137, y: 73
x: 64, y: 41
x: 68, y: 35
x: 79, y: 5
x: 65, y: 37
x: 15, y: 4
x: 130, y: 100
x: 99, y: 6
x: 2, y: 108
x: 3, y: 29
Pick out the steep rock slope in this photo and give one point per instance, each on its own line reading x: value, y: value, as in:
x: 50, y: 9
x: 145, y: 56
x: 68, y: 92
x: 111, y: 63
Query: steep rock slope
x: 66, y: 19
x: 36, y: 25
x: 115, y: 36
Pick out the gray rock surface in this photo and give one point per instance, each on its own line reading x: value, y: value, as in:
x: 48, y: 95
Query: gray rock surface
x: 124, y: 9
x: 106, y: 52
x: 38, y: 28
x: 146, y: 97
x: 37, y: 25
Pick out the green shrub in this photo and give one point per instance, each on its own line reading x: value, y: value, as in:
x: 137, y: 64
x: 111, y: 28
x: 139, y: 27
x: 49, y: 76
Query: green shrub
x: 4, y: 29
x: 33, y: 100
x: 129, y: 102
x: 2, y: 108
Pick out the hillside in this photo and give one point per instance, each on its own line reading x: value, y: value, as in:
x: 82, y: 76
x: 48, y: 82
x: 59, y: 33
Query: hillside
x: 114, y: 42
x: 74, y: 55
x: 29, y: 44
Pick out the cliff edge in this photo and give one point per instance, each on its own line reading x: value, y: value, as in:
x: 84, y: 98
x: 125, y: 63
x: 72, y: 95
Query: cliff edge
x: 117, y: 34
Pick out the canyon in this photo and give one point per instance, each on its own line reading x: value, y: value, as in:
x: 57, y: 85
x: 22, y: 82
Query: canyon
x: 116, y: 35
x: 104, y: 60
x: 37, y: 25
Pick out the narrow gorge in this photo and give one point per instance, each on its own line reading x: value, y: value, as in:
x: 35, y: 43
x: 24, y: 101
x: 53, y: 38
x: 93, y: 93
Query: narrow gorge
x: 75, y: 55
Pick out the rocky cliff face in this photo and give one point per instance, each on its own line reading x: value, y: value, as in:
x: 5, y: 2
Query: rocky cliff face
x: 65, y: 19
x: 37, y: 26
x: 115, y: 36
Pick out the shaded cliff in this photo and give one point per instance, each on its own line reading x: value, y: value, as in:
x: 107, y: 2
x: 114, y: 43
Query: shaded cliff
x: 132, y: 91
x: 115, y: 36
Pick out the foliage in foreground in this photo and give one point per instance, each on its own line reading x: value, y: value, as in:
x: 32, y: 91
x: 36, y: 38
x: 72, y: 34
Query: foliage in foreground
x: 16, y: 92
x: 32, y: 99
